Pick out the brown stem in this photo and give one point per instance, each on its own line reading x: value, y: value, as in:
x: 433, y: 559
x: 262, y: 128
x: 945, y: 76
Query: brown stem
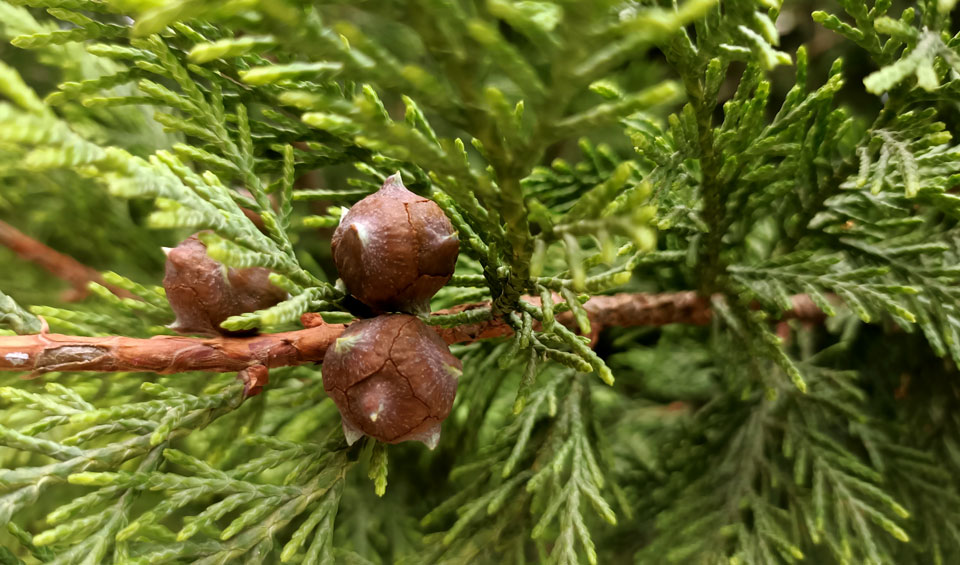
x: 41, y: 353
x: 62, y: 266
x: 176, y: 354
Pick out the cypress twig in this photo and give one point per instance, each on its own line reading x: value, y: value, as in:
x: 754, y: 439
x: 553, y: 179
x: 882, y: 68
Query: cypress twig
x: 60, y: 265
x: 47, y: 352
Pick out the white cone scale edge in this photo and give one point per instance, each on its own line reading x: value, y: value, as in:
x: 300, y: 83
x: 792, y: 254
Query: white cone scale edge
x: 350, y: 432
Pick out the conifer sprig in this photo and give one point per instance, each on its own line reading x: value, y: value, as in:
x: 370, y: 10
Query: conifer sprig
x: 753, y: 434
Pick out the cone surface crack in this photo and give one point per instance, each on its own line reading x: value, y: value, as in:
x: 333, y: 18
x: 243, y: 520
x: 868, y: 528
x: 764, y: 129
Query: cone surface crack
x: 399, y: 372
x: 413, y: 391
x: 416, y: 243
x: 399, y: 331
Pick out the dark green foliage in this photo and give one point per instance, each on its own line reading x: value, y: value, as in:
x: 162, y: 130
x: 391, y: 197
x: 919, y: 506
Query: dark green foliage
x: 578, y: 148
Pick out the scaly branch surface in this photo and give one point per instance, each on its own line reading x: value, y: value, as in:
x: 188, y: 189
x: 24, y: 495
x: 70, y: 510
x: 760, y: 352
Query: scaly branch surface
x: 47, y: 352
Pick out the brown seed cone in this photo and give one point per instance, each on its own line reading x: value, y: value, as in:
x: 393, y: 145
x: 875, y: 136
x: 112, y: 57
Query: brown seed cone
x: 203, y: 293
x: 392, y: 378
x: 394, y: 250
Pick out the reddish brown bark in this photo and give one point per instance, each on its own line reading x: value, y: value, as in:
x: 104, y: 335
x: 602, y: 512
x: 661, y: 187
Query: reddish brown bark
x: 42, y: 353
x: 60, y: 265
x: 176, y: 354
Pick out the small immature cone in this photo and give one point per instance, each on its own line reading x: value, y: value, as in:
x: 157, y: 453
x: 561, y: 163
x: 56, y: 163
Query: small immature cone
x: 392, y: 378
x: 394, y: 250
x: 204, y: 293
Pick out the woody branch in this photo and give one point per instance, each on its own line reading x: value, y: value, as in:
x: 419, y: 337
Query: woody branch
x: 62, y: 266
x: 47, y: 352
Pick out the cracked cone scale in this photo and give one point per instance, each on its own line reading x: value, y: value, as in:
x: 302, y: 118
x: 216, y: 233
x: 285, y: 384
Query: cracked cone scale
x: 392, y: 378
x: 394, y: 250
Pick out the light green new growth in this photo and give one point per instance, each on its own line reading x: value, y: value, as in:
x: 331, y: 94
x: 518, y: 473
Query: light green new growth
x: 15, y: 319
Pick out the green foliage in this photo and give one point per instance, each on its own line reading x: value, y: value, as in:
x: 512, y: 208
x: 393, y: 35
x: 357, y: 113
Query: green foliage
x: 578, y: 148
x: 15, y: 318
